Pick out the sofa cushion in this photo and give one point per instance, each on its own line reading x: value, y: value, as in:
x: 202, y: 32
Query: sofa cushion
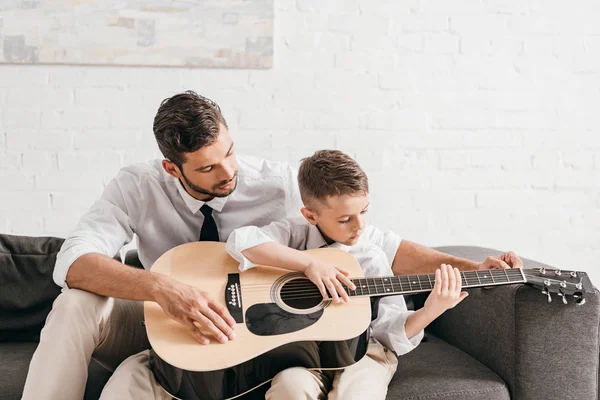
x: 437, y: 370
x: 26, y: 265
x: 15, y: 364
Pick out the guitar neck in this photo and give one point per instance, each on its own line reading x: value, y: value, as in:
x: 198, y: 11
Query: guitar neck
x: 410, y: 284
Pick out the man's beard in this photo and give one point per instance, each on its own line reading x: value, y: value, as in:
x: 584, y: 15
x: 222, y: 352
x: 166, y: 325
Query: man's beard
x: 212, y: 191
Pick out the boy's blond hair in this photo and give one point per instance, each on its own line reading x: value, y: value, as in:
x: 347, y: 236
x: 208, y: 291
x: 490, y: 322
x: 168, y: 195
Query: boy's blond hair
x: 330, y: 173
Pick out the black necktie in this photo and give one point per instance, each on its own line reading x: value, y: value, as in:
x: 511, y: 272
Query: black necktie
x: 209, y: 230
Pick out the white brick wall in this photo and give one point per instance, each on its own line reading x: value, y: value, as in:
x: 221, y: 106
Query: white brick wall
x: 476, y: 120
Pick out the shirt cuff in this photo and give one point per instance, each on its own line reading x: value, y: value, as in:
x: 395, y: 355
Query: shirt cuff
x: 243, y: 239
x: 67, y: 255
x: 392, y: 334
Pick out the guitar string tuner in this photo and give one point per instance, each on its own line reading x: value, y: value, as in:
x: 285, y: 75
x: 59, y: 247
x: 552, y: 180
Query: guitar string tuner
x: 579, y: 299
x: 573, y: 274
x: 564, y: 298
x: 558, y: 272
x: 547, y: 292
x: 543, y: 271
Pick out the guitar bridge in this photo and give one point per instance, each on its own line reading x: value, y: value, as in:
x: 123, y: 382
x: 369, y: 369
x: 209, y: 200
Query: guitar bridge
x: 233, y: 297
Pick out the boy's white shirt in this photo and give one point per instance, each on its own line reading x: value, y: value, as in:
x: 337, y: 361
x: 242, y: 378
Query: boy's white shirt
x: 388, y: 327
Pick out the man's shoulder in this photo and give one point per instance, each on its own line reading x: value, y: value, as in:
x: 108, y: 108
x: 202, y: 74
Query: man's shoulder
x: 142, y: 174
x: 252, y: 167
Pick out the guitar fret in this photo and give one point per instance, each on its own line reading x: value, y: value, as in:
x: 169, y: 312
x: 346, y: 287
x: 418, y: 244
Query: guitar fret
x: 499, y: 276
x: 369, y: 286
x: 365, y: 287
x: 477, y: 275
x: 373, y: 284
x: 359, y: 287
x: 392, y: 284
x: 419, y: 279
x: 384, y: 282
x: 406, y: 283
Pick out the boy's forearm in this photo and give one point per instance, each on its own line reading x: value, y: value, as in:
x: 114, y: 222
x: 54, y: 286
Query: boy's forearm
x: 419, y: 320
x: 277, y: 255
x: 413, y: 258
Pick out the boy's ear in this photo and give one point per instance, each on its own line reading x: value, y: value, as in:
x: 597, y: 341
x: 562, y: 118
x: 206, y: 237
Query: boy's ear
x: 309, y: 215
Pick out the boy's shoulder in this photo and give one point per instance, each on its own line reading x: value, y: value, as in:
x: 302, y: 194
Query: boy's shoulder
x: 366, y: 245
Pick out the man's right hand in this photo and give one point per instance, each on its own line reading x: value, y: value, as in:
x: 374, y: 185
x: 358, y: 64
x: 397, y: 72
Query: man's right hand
x: 196, y: 310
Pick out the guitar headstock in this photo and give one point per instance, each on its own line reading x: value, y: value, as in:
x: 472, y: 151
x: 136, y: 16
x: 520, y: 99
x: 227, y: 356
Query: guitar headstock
x: 562, y: 283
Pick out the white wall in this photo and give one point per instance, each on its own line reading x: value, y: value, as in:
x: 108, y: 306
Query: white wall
x: 477, y: 121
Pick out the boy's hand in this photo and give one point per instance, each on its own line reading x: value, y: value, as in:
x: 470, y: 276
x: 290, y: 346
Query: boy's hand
x: 330, y: 278
x: 446, y: 290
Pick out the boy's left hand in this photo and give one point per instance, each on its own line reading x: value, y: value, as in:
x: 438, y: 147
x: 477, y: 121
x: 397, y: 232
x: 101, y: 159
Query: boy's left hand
x: 447, y: 290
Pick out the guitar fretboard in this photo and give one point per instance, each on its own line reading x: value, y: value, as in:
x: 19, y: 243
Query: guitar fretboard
x: 406, y: 284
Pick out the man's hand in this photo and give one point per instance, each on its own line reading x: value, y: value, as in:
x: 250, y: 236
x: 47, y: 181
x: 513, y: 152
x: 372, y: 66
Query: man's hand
x: 328, y: 277
x: 506, y: 260
x: 196, y: 310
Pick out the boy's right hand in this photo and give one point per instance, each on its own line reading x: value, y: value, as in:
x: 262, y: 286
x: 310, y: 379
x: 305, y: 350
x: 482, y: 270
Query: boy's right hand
x: 329, y: 278
x: 447, y: 290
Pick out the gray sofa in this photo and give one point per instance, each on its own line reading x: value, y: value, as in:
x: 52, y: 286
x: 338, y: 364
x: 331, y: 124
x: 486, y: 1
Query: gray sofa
x: 503, y: 343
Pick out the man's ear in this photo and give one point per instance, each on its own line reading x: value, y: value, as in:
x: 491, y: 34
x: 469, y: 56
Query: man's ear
x: 309, y: 215
x: 171, y: 168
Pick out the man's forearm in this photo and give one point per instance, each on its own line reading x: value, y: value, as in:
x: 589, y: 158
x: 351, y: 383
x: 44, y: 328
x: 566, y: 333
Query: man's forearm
x: 100, y: 274
x: 413, y: 258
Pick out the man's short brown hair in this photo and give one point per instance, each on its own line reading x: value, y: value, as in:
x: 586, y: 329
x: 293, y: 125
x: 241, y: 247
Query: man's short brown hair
x: 330, y: 173
x: 185, y: 123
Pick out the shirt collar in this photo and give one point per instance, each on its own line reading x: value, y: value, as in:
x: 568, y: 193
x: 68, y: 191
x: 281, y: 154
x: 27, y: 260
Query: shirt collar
x: 315, y: 240
x: 194, y: 204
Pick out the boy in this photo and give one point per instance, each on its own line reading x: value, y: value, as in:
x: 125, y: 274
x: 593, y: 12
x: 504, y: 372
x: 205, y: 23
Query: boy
x: 334, y: 190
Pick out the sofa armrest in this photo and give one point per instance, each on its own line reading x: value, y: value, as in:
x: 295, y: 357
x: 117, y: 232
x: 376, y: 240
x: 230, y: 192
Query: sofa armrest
x: 541, y: 350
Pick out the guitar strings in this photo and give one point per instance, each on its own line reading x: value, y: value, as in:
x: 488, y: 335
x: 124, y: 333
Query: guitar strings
x: 306, y: 283
x: 380, y: 288
x: 426, y: 277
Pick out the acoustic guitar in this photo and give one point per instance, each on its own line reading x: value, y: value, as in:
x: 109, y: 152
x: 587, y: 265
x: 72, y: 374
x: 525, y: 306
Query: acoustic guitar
x: 283, y: 321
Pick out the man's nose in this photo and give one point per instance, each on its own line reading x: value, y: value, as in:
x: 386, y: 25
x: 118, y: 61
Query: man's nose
x: 228, y: 172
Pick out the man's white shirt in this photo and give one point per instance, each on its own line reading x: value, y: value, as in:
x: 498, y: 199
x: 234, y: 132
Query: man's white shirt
x: 143, y: 199
x: 297, y: 233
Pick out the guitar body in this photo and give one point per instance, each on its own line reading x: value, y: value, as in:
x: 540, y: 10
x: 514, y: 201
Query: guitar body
x: 276, y: 329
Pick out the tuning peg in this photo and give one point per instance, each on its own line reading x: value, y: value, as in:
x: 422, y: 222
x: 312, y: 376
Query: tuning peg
x: 543, y: 271
x: 547, y: 292
x: 573, y: 274
x: 564, y: 298
x: 579, y: 299
x: 579, y: 286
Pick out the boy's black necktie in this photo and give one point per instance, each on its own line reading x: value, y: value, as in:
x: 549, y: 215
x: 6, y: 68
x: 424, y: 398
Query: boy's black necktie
x: 209, y: 230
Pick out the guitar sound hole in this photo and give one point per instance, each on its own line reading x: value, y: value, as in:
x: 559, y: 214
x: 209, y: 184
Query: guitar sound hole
x: 300, y: 294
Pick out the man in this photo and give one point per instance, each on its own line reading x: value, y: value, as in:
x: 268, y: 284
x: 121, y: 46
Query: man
x: 200, y: 191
